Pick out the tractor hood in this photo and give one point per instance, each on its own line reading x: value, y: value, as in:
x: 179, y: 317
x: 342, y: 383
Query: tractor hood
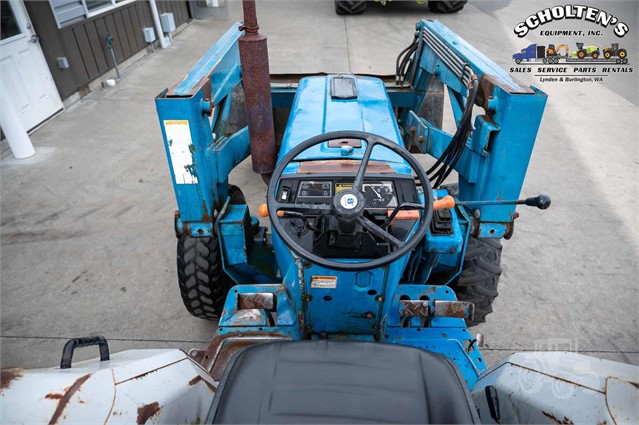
x: 350, y: 103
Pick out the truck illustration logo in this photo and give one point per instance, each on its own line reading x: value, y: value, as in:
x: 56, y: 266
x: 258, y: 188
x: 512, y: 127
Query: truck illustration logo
x: 562, y: 52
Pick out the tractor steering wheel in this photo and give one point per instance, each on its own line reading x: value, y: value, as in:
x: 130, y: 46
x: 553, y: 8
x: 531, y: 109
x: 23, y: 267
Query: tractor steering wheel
x: 349, y: 205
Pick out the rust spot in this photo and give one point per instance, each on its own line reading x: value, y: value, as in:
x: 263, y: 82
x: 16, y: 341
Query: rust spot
x: 221, y: 351
x: 205, y: 215
x: 564, y: 421
x: 198, y: 379
x: 9, y: 375
x: 342, y: 166
x: 53, y: 396
x: 146, y: 411
x: 66, y: 397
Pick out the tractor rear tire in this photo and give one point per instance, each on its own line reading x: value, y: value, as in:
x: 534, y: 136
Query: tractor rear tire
x: 622, y: 53
x: 478, y: 280
x: 349, y: 7
x: 446, y: 6
x: 581, y: 54
x: 203, y: 283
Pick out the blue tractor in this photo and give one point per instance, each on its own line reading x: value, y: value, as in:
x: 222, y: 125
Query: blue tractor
x: 365, y: 244
x: 355, y: 306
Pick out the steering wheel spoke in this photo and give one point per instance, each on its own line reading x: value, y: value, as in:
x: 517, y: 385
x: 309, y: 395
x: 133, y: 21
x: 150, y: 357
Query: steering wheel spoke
x: 379, y: 232
x: 371, y: 142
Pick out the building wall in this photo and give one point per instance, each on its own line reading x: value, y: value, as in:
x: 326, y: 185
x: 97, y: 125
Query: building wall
x: 83, y: 43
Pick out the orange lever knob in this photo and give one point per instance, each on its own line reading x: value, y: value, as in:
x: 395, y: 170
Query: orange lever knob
x: 262, y: 210
x: 446, y: 203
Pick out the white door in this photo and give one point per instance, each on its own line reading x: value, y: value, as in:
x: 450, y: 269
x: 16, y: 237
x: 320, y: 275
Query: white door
x: 26, y: 81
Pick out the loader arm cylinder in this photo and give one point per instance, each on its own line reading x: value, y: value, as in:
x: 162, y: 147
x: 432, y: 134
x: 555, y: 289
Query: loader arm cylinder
x: 257, y: 92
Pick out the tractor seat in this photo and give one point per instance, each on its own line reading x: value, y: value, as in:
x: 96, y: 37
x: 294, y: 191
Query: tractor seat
x: 318, y: 382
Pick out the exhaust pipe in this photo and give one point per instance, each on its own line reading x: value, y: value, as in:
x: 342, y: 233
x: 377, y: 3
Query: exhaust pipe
x: 257, y: 93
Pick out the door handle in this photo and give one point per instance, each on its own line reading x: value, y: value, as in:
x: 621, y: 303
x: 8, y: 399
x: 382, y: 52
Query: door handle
x: 34, y: 39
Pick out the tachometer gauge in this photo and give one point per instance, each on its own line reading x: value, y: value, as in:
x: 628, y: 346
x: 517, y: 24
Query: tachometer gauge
x: 379, y: 195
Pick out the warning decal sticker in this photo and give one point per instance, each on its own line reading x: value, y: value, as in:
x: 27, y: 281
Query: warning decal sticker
x: 324, y: 282
x: 178, y: 136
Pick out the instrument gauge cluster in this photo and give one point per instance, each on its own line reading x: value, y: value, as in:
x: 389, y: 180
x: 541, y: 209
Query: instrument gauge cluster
x: 379, y: 195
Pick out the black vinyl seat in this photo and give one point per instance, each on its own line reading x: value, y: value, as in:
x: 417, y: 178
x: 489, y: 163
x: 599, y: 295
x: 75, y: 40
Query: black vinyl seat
x: 341, y: 382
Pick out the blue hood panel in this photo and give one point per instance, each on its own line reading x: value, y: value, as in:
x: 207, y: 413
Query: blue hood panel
x: 315, y: 112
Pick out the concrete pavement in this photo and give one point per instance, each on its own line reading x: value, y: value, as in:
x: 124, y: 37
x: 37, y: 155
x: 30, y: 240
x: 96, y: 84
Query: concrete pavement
x: 87, y: 244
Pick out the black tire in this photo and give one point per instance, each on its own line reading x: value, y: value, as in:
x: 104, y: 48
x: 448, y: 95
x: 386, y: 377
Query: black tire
x: 350, y: 7
x: 478, y: 280
x: 446, y: 6
x: 237, y: 197
x: 595, y: 54
x: 622, y: 53
x: 203, y: 284
x: 517, y: 61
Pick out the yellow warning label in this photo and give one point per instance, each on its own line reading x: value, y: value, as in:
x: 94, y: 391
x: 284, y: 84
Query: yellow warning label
x: 176, y: 122
x: 342, y: 186
x: 324, y: 282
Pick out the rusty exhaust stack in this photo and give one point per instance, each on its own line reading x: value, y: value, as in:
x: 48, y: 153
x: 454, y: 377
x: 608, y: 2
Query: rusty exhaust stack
x: 257, y: 92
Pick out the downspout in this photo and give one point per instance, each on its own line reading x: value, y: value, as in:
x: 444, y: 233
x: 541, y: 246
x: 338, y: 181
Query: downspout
x: 158, y: 25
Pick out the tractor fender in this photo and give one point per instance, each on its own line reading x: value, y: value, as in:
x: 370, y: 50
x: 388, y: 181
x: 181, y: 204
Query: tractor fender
x: 135, y: 386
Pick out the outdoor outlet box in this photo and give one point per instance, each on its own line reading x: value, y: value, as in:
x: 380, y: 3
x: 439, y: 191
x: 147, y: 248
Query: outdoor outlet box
x: 63, y: 63
x: 167, y: 21
x: 149, y: 34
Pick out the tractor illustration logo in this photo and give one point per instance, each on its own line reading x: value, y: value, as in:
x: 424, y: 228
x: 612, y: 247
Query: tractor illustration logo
x: 553, y: 54
x: 614, y: 50
x: 583, y: 52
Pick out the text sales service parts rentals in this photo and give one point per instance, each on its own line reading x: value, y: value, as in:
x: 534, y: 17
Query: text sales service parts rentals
x: 571, y: 11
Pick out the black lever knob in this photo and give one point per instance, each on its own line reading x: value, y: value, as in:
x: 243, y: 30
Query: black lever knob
x: 542, y: 202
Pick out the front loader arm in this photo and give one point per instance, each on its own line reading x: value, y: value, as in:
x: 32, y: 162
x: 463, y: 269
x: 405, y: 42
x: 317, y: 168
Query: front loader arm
x: 494, y: 160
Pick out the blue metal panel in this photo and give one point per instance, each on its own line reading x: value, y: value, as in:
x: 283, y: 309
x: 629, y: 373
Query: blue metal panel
x: 200, y: 164
x: 219, y: 64
x: 315, y: 112
x: 445, y: 335
x: 286, y: 315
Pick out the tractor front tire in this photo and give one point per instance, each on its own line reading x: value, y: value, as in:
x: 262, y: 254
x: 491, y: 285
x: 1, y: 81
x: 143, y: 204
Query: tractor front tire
x: 446, y: 6
x: 478, y: 280
x: 595, y: 54
x: 203, y: 283
x: 349, y: 7
x: 236, y: 195
x: 607, y: 54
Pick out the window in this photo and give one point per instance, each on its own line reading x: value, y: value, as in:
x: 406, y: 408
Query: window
x: 8, y: 24
x: 68, y: 12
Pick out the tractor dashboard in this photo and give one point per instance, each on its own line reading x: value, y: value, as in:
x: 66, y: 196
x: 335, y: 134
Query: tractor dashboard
x: 324, y: 235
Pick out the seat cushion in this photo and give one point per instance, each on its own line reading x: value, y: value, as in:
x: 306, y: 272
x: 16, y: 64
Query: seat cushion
x: 341, y: 382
